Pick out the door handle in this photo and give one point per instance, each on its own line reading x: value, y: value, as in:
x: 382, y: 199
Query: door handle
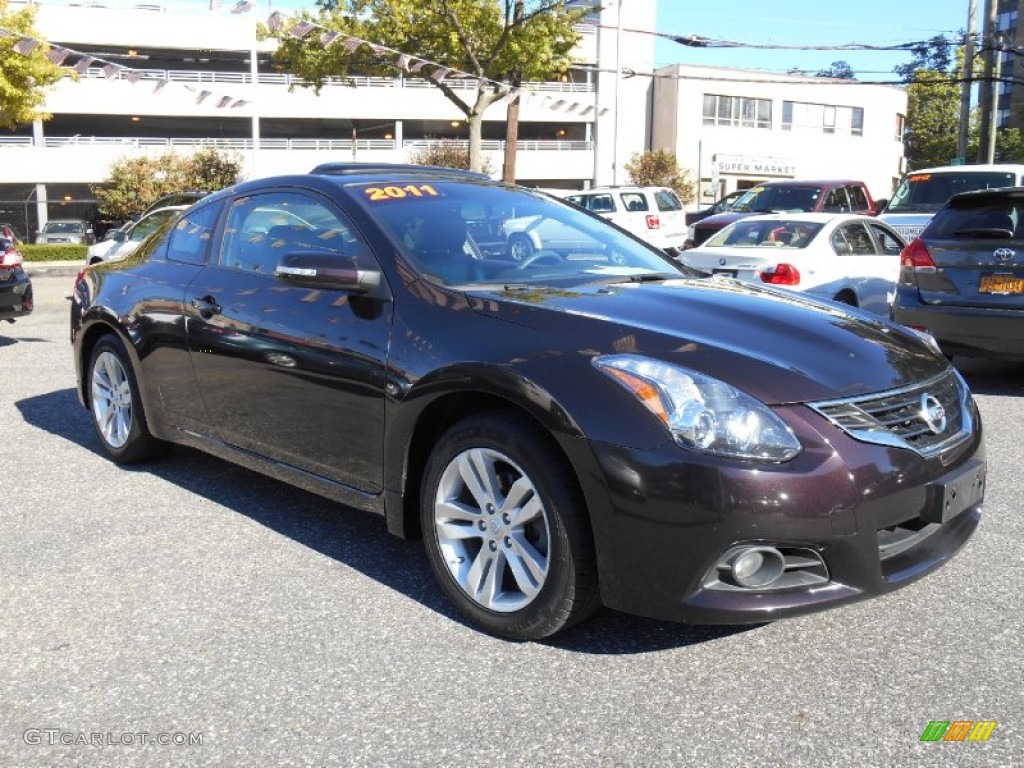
x: 207, y: 306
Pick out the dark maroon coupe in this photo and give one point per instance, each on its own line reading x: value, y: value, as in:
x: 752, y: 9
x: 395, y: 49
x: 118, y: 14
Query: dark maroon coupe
x: 591, y: 425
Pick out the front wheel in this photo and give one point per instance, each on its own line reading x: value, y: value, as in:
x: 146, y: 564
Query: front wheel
x: 506, y: 530
x: 116, y: 406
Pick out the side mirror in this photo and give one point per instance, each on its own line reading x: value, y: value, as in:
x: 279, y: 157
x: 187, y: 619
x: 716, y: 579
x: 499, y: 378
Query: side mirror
x: 880, y: 205
x: 319, y: 270
x: 120, y: 236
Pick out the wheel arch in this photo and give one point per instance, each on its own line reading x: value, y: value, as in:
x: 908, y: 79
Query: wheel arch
x: 86, y: 341
x: 402, y: 505
x: 847, y: 296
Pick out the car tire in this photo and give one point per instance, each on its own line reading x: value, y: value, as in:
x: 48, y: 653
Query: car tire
x: 116, y: 407
x: 505, y: 528
x: 520, y: 247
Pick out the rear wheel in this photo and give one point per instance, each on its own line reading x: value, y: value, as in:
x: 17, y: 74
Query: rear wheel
x: 506, y: 530
x: 116, y: 406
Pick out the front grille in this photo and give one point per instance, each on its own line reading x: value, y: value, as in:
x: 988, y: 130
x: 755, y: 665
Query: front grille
x: 909, y: 417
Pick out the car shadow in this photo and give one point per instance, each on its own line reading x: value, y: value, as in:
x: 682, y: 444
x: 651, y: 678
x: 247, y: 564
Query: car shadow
x: 992, y: 377
x: 352, y: 537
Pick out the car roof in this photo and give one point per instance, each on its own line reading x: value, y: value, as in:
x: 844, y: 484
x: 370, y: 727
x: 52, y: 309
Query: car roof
x: 328, y: 177
x: 618, y: 188
x: 808, y: 217
x: 806, y: 182
x: 985, y: 195
x: 981, y: 167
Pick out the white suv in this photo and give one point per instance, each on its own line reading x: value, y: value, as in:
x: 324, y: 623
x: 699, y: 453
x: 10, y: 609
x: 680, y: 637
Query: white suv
x: 653, y: 214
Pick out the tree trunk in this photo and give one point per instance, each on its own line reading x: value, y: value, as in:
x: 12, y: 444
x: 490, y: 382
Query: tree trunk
x: 475, y: 121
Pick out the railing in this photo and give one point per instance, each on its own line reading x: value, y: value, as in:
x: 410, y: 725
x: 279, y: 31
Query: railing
x: 493, y: 145
x: 289, y: 80
x: 290, y: 144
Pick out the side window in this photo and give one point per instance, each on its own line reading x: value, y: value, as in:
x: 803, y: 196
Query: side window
x: 667, y: 200
x: 634, y: 201
x: 262, y: 229
x: 835, y: 202
x: 600, y: 204
x: 856, y: 239
x: 887, y: 242
x: 190, y: 237
x: 858, y: 199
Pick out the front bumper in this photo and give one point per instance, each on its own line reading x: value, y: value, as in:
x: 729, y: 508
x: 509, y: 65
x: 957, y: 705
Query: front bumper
x: 970, y: 331
x: 868, y: 511
x: 15, y: 294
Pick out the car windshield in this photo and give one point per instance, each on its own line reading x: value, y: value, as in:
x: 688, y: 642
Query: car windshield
x: 778, y: 233
x: 470, y: 233
x: 63, y: 227
x: 928, y: 192
x: 766, y: 199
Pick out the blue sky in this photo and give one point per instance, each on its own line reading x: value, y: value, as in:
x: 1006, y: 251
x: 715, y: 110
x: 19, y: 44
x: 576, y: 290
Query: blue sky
x: 799, y: 22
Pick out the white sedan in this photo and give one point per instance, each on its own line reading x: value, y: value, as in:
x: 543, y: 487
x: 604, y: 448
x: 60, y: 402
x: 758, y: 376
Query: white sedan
x: 123, y: 241
x: 847, y: 258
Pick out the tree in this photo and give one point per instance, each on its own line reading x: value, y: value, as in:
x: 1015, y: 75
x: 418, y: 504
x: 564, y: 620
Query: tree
x: 447, y: 154
x: 659, y: 168
x: 840, y: 70
x: 933, y: 119
x: 483, y: 38
x: 135, y: 183
x: 935, y: 55
x: 24, y: 77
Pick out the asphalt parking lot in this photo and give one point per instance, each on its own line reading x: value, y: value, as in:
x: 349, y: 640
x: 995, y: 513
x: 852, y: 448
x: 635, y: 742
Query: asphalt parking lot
x: 246, y: 623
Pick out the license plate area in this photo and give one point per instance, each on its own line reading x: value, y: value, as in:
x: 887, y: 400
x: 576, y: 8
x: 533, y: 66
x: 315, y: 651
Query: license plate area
x: 953, y: 493
x: 726, y: 272
x: 1001, y: 284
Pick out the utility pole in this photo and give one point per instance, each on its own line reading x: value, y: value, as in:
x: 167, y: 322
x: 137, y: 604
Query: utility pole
x: 988, y: 84
x: 968, y: 82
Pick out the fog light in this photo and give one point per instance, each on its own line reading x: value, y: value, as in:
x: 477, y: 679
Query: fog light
x: 757, y: 568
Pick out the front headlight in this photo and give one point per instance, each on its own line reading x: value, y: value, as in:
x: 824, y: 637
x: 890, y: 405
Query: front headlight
x: 703, y: 413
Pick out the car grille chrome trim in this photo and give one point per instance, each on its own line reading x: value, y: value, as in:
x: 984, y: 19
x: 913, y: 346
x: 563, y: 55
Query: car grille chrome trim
x: 898, y: 418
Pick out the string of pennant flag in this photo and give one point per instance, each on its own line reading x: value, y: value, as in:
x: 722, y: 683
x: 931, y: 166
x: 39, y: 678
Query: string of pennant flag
x: 81, y: 63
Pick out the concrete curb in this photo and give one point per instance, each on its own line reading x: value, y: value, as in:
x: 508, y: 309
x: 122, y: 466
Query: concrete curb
x: 53, y: 268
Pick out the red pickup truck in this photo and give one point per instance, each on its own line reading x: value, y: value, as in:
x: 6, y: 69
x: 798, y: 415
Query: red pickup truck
x: 789, y: 196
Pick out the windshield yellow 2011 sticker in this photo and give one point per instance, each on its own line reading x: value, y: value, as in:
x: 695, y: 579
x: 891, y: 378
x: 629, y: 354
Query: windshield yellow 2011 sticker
x: 380, y: 194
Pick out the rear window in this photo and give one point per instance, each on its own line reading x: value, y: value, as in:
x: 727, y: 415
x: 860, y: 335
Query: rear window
x: 990, y: 219
x: 772, y: 233
x: 667, y: 201
x: 928, y: 192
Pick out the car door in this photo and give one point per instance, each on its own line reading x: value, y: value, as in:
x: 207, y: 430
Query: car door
x: 863, y: 267
x: 292, y: 373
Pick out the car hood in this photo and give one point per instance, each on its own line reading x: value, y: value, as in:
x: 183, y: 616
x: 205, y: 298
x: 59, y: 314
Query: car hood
x: 778, y: 346
x: 720, y: 220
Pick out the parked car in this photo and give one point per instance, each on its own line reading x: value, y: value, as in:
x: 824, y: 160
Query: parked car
x: 15, y: 284
x: 65, y: 231
x: 125, y: 240
x: 962, y: 280
x: 791, y: 196
x: 654, y: 214
x: 563, y: 431
x: 921, y: 193
x: 722, y: 205
x: 847, y: 258
x: 184, y: 198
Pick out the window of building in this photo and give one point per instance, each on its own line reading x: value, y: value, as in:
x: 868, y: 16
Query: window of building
x: 737, y: 111
x: 822, y: 118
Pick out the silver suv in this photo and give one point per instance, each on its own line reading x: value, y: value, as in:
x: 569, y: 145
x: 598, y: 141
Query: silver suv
x: 65, y: 231
x: 653, y: 214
